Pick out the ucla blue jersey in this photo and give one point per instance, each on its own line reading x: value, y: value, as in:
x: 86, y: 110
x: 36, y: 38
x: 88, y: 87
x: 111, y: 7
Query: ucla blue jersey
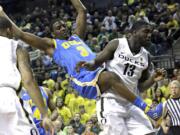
x: 67, y: 54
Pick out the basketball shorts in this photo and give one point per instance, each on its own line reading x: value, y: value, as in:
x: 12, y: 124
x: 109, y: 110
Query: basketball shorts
x: 86, y: 84
x: 121, y: 119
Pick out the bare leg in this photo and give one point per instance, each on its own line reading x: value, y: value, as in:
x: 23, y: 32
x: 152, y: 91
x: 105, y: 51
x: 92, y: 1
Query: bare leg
x: 108, y: 80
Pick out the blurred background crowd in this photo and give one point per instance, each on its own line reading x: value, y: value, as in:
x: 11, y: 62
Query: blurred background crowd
x: 77, y: 115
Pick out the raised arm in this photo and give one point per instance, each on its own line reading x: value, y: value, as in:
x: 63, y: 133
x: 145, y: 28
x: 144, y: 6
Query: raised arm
x: 81, y: 18
x: 45, y: 44
x: 31, y: 86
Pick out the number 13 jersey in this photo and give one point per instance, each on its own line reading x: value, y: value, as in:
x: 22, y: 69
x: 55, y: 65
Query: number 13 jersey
x: 127, y: 66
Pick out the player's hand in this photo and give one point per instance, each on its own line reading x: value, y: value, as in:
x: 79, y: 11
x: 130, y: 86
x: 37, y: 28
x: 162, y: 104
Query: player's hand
x: 48, y: 125
x: 159, y: 74
x: 88, y: 65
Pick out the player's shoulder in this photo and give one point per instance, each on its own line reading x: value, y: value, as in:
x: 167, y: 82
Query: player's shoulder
x: 5, y: 40
x: 75, y: 37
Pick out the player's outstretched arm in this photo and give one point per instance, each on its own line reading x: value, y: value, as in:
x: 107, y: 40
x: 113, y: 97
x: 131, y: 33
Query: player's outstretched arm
x: 31, y: 86
x: 103, y: 56
x: 81, y: 18
x: 45, y: 44
x: 157, y: 75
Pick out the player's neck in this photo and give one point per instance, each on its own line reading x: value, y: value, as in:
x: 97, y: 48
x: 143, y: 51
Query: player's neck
x: 134, y: 46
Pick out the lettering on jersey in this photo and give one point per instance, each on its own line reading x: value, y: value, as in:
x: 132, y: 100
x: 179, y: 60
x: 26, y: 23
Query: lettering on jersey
x: 67, y: 44
x: 131, y: 60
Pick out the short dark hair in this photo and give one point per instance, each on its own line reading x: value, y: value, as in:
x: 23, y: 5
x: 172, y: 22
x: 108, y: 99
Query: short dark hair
x: 139, y: 24
x: 4, y: 23
x: 54, y: 21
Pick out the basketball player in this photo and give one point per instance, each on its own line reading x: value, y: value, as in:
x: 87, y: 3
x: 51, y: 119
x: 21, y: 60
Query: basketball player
x: 37, y: 117
x: 67, y: 52
x: 127, y: 58
x: 14, y: 120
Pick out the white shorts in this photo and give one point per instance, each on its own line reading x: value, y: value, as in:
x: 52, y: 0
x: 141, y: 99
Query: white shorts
x: 14, y: 119
x: 121, y: 119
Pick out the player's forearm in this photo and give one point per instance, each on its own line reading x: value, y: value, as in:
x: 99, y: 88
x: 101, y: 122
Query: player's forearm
x: 100, y: 59
x: 78, y: 5
x: 146, y: 84
x: 164, y: 126
x: 107, y: 53
x: 35, y: 41
x: 36, y: 96
x: 28, y: 80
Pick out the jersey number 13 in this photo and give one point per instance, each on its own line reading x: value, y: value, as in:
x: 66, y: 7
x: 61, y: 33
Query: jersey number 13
x: 129, y: 69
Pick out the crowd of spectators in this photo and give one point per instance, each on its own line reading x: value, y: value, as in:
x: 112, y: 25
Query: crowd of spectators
x: 77, y: 115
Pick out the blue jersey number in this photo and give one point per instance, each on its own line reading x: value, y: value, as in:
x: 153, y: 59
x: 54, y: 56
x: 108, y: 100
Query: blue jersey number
x: 81, y: 49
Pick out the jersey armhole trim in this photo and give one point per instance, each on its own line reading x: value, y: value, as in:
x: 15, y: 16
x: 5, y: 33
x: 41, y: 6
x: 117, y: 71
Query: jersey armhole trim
x: 54, y: 43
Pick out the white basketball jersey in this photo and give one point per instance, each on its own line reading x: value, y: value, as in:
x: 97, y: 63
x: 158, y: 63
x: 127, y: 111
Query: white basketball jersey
x: 9, y: 74
x: 127, y: 66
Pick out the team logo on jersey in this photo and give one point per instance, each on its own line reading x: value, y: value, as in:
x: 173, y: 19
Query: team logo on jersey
x: 134, y: 61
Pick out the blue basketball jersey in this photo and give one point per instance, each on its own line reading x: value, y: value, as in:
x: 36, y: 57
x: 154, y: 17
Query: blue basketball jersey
x: 67, y: 54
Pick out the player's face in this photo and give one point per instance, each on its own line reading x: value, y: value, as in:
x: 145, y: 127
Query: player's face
x: 144, y: 35
x: 60, y: 30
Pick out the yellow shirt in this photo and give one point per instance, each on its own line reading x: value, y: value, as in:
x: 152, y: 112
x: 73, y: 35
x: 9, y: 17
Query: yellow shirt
x: 148, y: 101
x: 50, y: 83
x: 172, y: 7
x: 64, y: 84
x: 90, y: 106
x: 84, y: 118
x: 162, y: 100
x: 165, y: 91
x: 65, y: 113
x: 73, y: 105
x: 59, y: 93
x: 173, y: 23
x: 68, y: 97
x: 150, y: 93
x: 80, y: 101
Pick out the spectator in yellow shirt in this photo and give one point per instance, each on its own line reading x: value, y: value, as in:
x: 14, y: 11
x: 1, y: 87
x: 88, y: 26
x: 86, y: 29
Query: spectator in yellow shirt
x: 172, y: 23
x: 165, y: 88
x: 151, y: 91
x: 70, y: 95
x: 90, y: 106
x: 147, y: 100
x: 63, y: 111
x: 159, y: 96
x: 73, y: 106
x: 58, y: 92
x: 84, y: 115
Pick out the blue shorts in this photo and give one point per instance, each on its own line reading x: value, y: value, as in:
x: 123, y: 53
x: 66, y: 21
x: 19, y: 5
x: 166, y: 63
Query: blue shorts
x: 86, y: 83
